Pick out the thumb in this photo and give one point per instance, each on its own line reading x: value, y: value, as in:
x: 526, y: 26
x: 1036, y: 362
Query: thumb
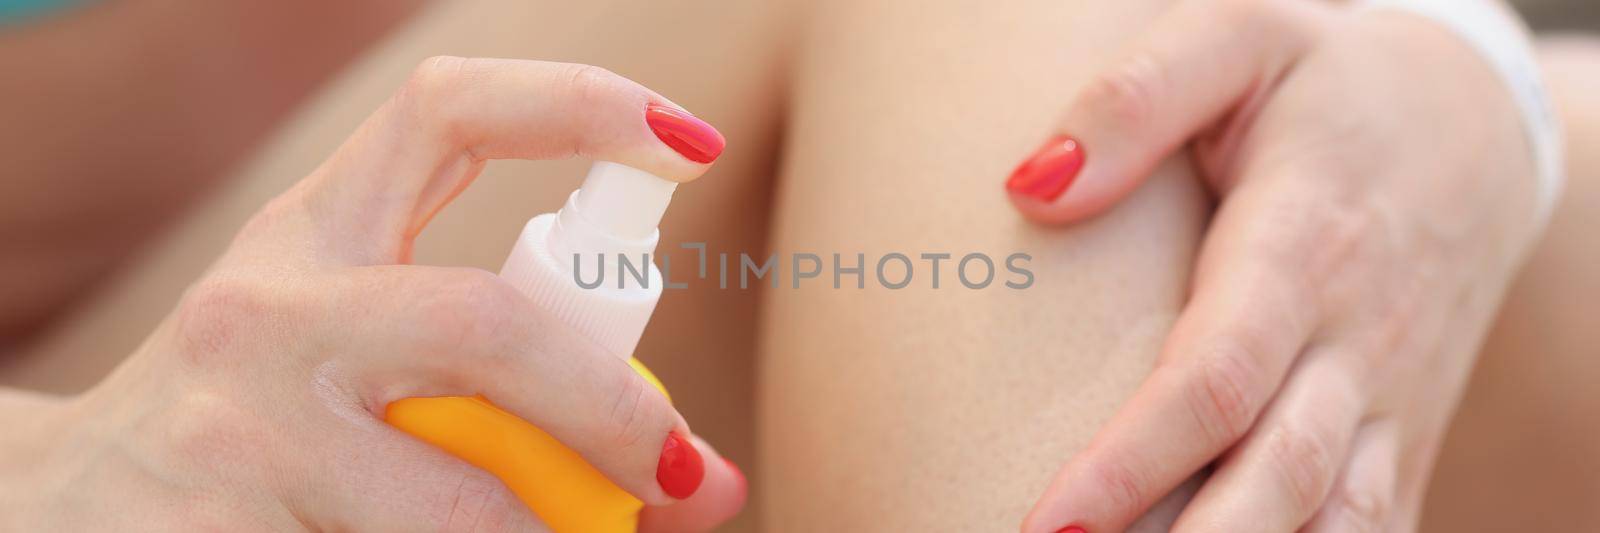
x: 1192, y: 67
x: 721, y: 496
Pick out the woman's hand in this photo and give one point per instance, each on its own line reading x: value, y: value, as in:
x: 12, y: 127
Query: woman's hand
x: 257, y: 404
x: 1377, y: 194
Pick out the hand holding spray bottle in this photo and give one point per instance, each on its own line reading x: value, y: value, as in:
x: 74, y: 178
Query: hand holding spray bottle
x: 608, y: 223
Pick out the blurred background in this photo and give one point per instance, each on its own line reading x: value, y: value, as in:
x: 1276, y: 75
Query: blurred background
x: 1561, y: 15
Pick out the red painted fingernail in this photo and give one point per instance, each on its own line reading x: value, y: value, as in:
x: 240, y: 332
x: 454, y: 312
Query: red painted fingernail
x: 680, y: 469
x: 693, y: 138
x: 1049, y: 171
x: 1072, y: 529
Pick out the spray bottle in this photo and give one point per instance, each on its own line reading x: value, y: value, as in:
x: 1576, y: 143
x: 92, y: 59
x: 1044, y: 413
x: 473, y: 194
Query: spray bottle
x: 613, y: 214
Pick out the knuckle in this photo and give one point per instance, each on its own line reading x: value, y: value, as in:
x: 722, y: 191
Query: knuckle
x: 1126, y: 94
x: 1283, y: 239
x: 1123, y: 485
x: 214, y: 432
x: 1223, y: 395
x: 479, y: 503
x: 217, y: 315
x: 1346, y: 234
x: 1296, y: 232
x: 1247, y: 343
x: 1396, y: 320
x: 473, y: 305
x: 1304, y: 460
x: 436, y: 74
x: 427, y: 97
x: 637, y: 414
x: 588, y: 84
x: 1360, y: 511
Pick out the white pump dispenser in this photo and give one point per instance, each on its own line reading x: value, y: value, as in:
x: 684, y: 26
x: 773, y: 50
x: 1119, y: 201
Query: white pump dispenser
x: 606, y: 234
x: 612, y: 218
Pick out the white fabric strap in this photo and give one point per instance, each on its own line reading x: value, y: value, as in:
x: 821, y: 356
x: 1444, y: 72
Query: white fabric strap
x: 1501, y: 39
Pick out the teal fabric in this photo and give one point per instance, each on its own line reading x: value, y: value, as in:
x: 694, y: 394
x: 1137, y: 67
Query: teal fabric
x: 16, y: 10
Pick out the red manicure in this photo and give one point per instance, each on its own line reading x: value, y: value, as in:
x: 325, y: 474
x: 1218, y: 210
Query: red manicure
x: 680, y: 469
x: 690, y: 136
x: 1049, y: 171
x: 1072, y: 529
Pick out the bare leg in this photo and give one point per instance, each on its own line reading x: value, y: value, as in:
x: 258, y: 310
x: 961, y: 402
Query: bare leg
x: 1524, y: 452
x: 863, y: 428
x: 948, y: 409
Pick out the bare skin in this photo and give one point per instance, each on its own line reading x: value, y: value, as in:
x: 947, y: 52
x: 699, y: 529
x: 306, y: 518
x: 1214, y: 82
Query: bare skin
x: 865, y: 423
x: 1116, y: 303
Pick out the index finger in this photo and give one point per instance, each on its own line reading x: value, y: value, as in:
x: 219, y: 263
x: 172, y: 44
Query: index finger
x: 1196, y: 66
x: 370, y: 199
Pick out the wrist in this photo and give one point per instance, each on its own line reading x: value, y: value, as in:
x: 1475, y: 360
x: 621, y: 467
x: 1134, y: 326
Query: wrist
x: 1493, y: 31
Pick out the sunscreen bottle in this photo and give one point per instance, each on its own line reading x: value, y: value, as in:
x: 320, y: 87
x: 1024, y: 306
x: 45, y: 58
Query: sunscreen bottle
x: 611, y: 218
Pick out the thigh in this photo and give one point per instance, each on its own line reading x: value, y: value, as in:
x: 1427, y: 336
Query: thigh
x: 948, y: 409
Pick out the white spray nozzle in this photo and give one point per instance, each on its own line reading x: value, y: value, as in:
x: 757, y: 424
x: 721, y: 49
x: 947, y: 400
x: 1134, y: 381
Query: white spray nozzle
x: 577, y: 262
x: 624, y: 201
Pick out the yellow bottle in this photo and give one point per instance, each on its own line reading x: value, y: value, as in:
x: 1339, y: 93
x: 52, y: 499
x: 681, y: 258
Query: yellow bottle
x: 560, y: 262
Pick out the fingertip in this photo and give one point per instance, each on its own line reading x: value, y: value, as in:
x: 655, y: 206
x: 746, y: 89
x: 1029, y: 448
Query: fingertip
x: 1085, y: 202
x: 1031, y: 523
x: 1060, y: 184
x: 681, y: 469
x: 725, y: 481
x: 720, y: 497
x: 582, y: 110
x: 1047, y: 516
x: 1046, y: 213
x: 1049, y: 171
x: 691, y: 137
x: 741, y: 482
